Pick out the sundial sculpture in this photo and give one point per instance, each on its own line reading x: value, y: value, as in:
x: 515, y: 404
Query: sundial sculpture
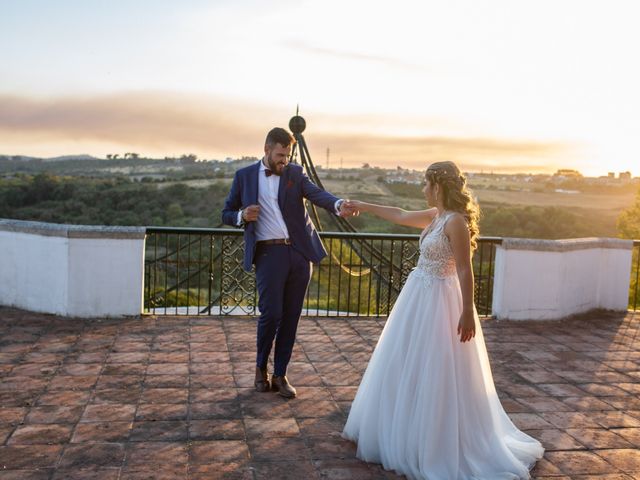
x: 379, y: 263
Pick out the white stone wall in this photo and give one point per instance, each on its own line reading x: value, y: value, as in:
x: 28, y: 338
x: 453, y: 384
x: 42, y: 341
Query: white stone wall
x: 33, y: 272
x: 552, y: 279
x: 70, y: 270
x: 82, y: 271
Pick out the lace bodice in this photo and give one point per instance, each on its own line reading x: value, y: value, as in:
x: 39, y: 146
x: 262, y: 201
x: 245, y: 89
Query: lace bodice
x: 436, y: 258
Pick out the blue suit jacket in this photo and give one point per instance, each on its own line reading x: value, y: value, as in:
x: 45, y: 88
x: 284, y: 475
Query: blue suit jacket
x: 294, y: 187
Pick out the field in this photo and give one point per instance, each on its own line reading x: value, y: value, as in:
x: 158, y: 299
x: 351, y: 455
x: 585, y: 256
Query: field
x: 605, y: 207
x: 200, y: 183
x: 610, y: 202
x: 505, y: 212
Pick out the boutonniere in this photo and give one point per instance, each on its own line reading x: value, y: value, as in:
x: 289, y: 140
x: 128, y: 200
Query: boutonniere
x: 289, y: 183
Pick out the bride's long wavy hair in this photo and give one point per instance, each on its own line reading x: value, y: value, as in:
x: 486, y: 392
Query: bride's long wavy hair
x: 456, y: 195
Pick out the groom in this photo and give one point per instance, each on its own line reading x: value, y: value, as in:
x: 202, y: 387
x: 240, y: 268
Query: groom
x: 267, y: 199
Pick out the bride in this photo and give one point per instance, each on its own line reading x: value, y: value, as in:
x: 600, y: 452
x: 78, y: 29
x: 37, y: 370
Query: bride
x: 427, y: 406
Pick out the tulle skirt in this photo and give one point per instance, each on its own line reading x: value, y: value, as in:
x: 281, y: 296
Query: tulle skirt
x: 427, y: 406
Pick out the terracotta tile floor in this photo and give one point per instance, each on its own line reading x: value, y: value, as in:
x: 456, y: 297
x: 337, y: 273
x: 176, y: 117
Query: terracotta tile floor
x: 171, y: 398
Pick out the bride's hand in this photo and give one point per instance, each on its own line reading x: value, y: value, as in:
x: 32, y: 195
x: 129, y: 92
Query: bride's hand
x: 356, y: 206
x: 467, y: 326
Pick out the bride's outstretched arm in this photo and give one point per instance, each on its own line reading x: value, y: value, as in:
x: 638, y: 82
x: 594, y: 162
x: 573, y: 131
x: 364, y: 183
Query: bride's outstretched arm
x: 409, y: 218
x: 458, y: 232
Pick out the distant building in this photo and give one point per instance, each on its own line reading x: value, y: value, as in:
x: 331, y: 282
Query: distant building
x: 624, y: 175
x: 568, y: 173
x: 404, y: 175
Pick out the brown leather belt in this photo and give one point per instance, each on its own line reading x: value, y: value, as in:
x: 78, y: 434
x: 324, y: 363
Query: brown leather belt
x: 275, y: 241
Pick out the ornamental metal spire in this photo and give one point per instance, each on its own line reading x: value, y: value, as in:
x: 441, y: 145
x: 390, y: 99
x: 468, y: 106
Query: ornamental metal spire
x: 373, y: 259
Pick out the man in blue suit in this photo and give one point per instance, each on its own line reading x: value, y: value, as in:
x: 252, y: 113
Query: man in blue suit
x: 267, y: 199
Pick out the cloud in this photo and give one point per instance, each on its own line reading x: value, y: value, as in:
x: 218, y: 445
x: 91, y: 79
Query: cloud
x: 152, y: 120
x: 418, y: 152
x: 159, y: 123
x: 353, y: 56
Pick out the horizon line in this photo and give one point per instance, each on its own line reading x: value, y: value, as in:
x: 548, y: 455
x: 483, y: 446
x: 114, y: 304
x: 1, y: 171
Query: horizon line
x: 477, y: 170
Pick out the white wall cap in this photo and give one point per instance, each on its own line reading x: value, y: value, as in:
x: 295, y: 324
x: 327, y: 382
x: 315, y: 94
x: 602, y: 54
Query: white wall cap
x: 565, y: 245
x: 71, y: 231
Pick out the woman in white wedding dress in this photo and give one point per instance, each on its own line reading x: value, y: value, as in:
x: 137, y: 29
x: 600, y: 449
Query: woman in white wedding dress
x: 427, y: 407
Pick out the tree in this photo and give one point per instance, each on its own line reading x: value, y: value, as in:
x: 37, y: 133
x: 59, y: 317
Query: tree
x: 629, y: 220
x: 191, y: 158
x: 42, y: 188
x: 174, y: 212
x: 177, y: 191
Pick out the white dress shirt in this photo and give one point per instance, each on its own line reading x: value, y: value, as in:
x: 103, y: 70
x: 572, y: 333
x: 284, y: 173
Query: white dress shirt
x: 270, y: 224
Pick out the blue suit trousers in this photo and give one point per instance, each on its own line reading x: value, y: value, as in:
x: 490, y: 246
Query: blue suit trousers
x: 282, y: 277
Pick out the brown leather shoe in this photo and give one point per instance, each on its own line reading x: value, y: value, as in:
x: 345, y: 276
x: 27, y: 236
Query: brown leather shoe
x: 261, y: 382
x: 282, y: 386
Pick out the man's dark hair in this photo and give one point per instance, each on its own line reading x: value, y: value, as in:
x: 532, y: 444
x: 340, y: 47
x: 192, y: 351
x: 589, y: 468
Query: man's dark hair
x: 281, y: 136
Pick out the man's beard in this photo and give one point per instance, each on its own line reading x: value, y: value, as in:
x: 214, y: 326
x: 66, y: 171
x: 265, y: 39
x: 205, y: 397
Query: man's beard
x: 274, y: 167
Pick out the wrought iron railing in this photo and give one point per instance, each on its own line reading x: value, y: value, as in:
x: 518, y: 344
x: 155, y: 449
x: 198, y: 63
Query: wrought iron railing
x: 199, y: 272
x: 634, y: 286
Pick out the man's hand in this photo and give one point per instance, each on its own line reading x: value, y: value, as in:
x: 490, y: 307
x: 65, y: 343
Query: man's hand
x: 250, y: 213
x: 347, y: 209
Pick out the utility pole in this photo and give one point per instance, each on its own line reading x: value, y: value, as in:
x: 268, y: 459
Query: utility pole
x: 328, y: 152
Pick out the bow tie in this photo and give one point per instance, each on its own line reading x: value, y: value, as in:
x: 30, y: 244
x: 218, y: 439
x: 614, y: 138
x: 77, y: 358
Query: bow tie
x: 268, y: 172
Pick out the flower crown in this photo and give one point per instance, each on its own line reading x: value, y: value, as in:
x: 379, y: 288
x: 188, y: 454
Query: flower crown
x: 441, y: 174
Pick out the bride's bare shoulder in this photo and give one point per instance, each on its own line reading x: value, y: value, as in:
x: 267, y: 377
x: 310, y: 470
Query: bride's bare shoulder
x: 456, y: 224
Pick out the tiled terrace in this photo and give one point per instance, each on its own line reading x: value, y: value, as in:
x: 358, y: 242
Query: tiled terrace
x: 171, y: 398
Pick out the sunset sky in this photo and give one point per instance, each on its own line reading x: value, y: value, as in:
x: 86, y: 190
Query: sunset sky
x: 502, y: 85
